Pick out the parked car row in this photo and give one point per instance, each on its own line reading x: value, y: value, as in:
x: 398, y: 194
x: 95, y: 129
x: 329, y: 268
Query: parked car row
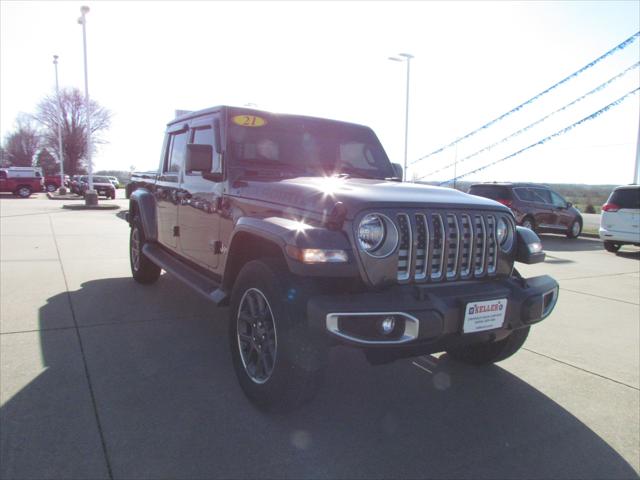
x: 101, y: 184
x: 539, y: 208
x: 535, y: 207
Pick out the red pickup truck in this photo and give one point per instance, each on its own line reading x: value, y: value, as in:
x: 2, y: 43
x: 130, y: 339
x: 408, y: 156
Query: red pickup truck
x: 19, y: 184
x: 52, y: 182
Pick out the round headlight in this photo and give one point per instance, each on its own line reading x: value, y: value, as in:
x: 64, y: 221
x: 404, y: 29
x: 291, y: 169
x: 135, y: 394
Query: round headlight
x: 502, y: 231
x: 377, y: 235
x: 371, y: 232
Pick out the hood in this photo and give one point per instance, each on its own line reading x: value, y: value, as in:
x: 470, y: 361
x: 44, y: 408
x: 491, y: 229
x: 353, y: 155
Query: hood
x: 319, y: 194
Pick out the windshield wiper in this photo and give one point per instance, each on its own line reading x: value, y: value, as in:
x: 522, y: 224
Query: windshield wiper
x: 353, y: 173
x: 271, y: 168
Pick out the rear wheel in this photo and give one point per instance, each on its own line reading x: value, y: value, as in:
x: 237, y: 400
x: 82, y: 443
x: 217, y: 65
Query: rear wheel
x: 529, y: 223
x: 51, y: 187
x: 23, y: 191
x: 492, y: 352
x: 143, y: 270
x: 612, y: 247
x: 574, y: 229
x: 278, y: 362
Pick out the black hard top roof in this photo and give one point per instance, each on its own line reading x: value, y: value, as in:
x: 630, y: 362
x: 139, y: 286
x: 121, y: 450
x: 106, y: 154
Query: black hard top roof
x: 252, y: 111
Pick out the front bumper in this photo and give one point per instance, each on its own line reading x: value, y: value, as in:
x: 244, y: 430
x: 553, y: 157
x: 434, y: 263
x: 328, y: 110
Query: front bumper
x: 431, y: 316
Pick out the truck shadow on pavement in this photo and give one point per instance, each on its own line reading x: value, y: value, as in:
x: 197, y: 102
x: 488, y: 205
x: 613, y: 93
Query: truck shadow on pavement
x: 169, y: 406
x: 557, y: 243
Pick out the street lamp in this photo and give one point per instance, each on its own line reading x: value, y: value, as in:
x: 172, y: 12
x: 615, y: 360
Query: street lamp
x: 91, y: 197
x: 405, y: 57
x: 62, y: 190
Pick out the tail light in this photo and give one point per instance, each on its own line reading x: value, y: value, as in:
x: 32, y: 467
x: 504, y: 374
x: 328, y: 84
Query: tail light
x: 505, y: 202
x: 610, y: 207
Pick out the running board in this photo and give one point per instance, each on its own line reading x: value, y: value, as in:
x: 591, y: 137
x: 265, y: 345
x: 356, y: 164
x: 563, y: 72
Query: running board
x: 205, y: 286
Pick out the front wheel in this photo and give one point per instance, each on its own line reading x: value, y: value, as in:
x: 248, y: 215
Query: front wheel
x: 529, y: 223
x: 143, y: 270
x: 491, y: 352
x: 612, y: 247
x: 574, y: 229
x: 23, y: 192
x: 278, y: 362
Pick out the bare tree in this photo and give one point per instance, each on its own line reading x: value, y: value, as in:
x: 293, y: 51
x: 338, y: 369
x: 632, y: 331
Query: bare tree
x: 46, y: 161
x: 21, y: 145
x: 74, y: 126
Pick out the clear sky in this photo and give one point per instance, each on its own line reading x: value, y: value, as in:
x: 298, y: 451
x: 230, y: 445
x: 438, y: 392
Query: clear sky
x: 473, y: 61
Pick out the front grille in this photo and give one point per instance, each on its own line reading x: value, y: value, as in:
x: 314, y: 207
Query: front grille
x: 439, y: 246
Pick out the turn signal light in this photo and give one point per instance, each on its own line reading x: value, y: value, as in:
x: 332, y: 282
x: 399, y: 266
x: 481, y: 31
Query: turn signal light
x: 316, y: 255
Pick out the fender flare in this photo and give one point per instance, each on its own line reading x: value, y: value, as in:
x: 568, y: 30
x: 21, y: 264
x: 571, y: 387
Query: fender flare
x: 143, y: 203
x: 282, y: 232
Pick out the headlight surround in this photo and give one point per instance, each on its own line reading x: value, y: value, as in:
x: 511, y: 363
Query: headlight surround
x: 377, y: 235
x: 504, y: 234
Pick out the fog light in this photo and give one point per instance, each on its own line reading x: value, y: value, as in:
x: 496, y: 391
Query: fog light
x: 387, y: 325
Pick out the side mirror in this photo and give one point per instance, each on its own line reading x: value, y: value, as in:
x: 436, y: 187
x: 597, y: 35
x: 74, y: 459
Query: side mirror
x: 569, y: 205
x: 397, y: 170
x: 529, y: 247
x: 199, y: 158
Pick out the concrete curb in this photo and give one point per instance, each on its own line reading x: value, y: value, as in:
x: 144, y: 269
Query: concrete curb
x: 82, y: 206
x: 52, y: 196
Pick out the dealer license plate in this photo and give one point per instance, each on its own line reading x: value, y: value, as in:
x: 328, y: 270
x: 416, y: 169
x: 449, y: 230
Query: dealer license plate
x: 480, y: 316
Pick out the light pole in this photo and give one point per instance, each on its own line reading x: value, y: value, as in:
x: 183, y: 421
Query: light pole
x: 407, y: 57
x: 91, y: 198
x: 62, y: 189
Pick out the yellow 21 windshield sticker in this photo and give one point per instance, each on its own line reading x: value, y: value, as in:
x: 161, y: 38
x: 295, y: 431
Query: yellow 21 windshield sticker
x: 249, y: 121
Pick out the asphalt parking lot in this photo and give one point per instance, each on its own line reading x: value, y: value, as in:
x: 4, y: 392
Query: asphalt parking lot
x: 103, y: 378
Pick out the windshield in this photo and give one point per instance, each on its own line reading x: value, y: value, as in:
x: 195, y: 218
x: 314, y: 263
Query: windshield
x: 304, y: 146
x: 100, y: 180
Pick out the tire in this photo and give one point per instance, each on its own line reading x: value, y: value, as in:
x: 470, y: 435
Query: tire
x: 575, y: 229
x: 278, y: 361
x: 612, y: 247
x: 51, y: 187
x: 530, y: 223
x: 492, y: 352
x: 143, y: 270
x: 23, y: 191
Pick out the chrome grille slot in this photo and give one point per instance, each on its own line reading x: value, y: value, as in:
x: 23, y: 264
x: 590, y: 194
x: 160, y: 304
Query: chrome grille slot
x: 422, y: 246
x: 404, y: 247
x: 435, y: 246
x: 437, y: 256
x: 479, y: 246
x: 453, y: 241
x: 492, y: 244
x: 467, y: 245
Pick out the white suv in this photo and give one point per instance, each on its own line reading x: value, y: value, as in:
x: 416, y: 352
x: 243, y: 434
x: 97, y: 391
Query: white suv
x: 620, y: 220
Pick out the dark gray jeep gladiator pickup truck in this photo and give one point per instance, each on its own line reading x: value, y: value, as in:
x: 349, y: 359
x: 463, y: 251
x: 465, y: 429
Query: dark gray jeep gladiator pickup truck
x: 305, y: 229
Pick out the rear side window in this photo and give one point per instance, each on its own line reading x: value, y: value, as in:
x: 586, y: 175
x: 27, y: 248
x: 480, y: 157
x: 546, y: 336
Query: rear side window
x: 626, y: 198
x: 524, y: 194
x: 541, y: 195
x: 493, y: 192
x: 177, y: 153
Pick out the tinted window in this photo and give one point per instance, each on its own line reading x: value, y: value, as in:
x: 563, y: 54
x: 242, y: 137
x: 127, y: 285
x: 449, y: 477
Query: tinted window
x: 100, y: 180
x: 557, y: 200
x: 493, y: 192
x: 204, y: 136
x: 626, y: 197
x: 541, y: 195
x: 524, y: 194
x: 177, y: 152
x: 306, y: 146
